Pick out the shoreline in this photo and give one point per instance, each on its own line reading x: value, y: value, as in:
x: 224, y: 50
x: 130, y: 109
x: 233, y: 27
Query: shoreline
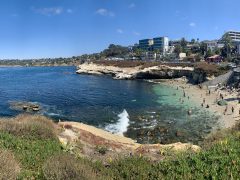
x: 197, y: 95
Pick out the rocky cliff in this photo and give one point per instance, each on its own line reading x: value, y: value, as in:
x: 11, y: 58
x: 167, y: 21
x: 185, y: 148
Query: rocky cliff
x: 139, y: 72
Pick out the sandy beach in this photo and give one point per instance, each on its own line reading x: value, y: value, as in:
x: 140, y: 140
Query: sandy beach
x: 227, y: 119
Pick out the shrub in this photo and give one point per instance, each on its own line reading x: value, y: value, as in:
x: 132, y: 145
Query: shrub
x: 31, y: 153
x: 65, y: 166
x: 9, y: 168
x: 102, y: 149
x: 29, y: 126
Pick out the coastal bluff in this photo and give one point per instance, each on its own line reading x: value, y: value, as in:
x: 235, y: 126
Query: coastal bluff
x: 92, y: 139
x: 136, y: 72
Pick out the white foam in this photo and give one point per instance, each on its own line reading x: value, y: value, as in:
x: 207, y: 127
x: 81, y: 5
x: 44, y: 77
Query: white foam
x: 121, y: 126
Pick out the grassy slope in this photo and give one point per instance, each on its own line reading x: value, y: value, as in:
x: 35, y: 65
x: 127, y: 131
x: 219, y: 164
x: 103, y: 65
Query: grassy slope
x: 40, y: 156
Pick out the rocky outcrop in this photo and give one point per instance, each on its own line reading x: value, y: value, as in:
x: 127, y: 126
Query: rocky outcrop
x: 155, y: 72
x: 88, y: 141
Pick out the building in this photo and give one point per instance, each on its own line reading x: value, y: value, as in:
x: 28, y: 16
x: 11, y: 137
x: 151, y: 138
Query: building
x: 182, y: 56
x: 212, y: 45
x: 214, y: 59
x: 234, y: 35
x: 146, y: 44
x: 161, y: 43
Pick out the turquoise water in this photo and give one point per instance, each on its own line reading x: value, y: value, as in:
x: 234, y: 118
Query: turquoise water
x: 170, y: 122
x: 147, y: 112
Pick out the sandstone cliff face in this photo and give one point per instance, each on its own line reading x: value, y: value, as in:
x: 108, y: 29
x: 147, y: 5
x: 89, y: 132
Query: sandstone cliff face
x: 155, y: 72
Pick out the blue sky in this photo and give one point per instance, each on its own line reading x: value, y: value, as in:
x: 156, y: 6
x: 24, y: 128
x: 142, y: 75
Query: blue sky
x: 62, y: 28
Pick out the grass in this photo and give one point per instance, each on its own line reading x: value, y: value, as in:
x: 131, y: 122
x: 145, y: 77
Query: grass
x: 9, y: 167
x: 66, y: 166
x: 37, y: 154
x: 219, y: 159
x: 33, y: 127
x: 32, y: 139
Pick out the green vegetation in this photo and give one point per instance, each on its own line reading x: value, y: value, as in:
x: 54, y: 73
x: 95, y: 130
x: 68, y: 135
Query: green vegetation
x: 101, y: 149
x: 29, y: 149
x: 219, y: 159
x: 210, y: 69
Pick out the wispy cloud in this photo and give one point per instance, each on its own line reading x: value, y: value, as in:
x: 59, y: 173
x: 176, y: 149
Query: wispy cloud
x: 192, y: 24
x: 105, y: 12
x: 120, y: 31
x: 136, y: 33
x: 70, y: 11
x: 48, y: 11
x: 132, y: 5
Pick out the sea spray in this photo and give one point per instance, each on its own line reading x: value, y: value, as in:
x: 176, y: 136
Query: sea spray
x: 121, y: 126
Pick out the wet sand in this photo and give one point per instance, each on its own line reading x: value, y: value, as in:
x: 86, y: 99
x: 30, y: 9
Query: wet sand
x: 198, y: 95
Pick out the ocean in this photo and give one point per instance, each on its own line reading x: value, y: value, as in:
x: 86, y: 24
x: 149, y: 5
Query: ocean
x: 144, y: 111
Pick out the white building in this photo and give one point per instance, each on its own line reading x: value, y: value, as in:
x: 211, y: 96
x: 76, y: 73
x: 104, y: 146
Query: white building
x: 161, y: 43
x: 212, y: 45
x: 234, y: 35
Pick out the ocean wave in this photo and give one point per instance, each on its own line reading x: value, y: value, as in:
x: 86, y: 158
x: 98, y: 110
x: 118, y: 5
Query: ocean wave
x: 121, y: 126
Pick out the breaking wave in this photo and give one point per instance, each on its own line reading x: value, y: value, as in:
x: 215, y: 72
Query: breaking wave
x: 121, y: 126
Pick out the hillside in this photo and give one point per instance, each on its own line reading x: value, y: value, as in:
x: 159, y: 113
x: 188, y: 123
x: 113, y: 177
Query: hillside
x: 30, y: 149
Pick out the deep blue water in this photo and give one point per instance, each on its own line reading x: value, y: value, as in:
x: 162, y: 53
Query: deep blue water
x: 152, y: 112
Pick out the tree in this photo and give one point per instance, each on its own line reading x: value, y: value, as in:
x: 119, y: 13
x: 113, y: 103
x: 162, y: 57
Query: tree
x: 228, y: 46
x: 178, y: 49
x: 209, y: 53
x: 203, y: 48
x: 138, y: 52
x: 183, y: 43
x: 193, y: 41
x: 115, y: 50
x: 217, y: 51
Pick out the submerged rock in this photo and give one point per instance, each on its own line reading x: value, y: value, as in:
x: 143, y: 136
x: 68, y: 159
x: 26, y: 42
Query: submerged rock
x: 26, y: 106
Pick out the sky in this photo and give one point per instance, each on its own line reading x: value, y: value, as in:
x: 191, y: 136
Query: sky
x: 65, y: 28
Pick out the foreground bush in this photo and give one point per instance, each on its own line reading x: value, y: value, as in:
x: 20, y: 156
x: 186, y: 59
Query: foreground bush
x: 64, y: 166
x: 29, y: 127
x: 9, y: 168
x: 32, y: 139
x: 220, y: 160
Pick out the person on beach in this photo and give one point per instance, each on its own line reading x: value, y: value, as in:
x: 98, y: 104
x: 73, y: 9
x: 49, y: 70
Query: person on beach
x: 225, y: 111
x: 207, y: 106
x: 221, y: 96
x: 232, y: 109
x: 209, y: 92
x: 239, y: 112
x: 202, y: 105
x: 204, y: 100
